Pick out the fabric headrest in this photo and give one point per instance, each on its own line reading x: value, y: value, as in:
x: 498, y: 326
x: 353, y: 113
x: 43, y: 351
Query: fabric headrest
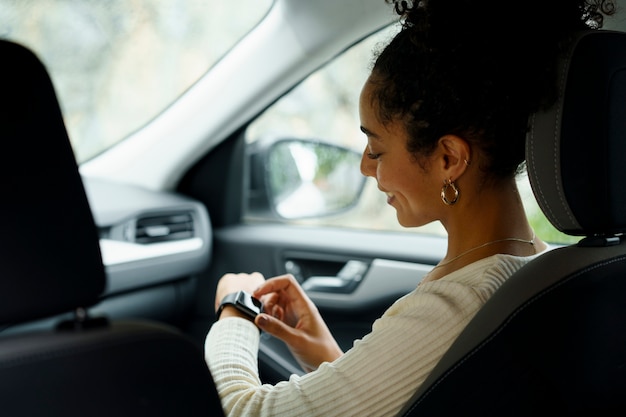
x: 576, y: 151
x: 50, y: 259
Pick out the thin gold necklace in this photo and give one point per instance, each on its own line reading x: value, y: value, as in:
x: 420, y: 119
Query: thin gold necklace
x: 508, y: 239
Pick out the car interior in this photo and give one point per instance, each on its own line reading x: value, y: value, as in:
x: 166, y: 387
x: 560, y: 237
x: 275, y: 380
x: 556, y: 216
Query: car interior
x: 52, y: 265
x: 109, y: 263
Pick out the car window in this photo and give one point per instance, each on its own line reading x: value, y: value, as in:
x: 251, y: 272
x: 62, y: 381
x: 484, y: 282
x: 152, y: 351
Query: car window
x: 324, y: 108
x: 116, y: 64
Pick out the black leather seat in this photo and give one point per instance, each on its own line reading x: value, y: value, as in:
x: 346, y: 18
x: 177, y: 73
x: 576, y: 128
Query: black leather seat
x: 552, y: 339
x: 50, y: 264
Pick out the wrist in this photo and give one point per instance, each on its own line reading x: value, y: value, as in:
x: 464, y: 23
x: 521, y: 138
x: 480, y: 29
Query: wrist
x: 232, y: 311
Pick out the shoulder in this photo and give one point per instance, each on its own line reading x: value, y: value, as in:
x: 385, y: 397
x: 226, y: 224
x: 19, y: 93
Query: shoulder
x: 485, y: 276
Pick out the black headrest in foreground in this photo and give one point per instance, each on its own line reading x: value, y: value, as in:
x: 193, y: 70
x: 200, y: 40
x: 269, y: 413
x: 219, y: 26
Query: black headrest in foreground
x: 50, y: 259
x: 576, y: 151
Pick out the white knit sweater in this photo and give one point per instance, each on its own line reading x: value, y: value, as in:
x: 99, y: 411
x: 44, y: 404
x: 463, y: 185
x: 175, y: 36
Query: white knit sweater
x: 378, y: 375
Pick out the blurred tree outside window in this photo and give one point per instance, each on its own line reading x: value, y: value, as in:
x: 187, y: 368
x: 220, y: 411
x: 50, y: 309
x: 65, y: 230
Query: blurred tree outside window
x: 116, y: 64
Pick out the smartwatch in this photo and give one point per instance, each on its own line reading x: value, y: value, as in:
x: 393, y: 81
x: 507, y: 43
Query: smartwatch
x: 243, y: 302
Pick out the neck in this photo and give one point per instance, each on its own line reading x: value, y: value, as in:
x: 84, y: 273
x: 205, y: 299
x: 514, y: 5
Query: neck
x: 487, y: 222
x: 484, y: 214
x: 530, y: 242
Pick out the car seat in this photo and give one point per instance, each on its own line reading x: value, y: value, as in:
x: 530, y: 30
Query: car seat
x: 552, y: 339
x: 50, y: 264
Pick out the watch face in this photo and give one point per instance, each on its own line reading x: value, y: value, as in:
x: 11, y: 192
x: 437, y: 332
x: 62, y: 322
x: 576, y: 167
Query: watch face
x: 248, y: 304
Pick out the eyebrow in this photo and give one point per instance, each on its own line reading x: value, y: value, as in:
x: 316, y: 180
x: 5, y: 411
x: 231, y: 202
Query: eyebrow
x: 369, y: 133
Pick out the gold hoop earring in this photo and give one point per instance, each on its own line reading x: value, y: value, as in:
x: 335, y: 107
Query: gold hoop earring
x: 444, y: 192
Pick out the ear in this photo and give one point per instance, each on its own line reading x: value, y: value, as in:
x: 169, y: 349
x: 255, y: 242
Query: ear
x: 455, y: 155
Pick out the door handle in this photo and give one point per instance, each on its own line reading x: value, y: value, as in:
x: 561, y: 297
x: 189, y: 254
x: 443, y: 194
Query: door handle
x: 346, y: 280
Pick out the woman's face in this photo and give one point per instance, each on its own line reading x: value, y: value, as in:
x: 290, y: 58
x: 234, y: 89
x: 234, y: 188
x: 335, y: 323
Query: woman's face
x: 411, y: 187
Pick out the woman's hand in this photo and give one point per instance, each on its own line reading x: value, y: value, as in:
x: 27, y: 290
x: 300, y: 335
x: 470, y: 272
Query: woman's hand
x: 290, y: 315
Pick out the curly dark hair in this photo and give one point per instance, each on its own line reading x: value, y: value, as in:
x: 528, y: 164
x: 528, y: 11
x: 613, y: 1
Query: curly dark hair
x: 477, y: 70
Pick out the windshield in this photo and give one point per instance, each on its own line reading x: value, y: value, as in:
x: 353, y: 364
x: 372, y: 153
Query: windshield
x: 116, y: 64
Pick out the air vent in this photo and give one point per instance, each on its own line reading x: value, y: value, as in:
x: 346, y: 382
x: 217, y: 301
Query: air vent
x: 164, y: 228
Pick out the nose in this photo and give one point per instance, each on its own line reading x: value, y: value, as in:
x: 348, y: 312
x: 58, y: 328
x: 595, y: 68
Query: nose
x: 368, y: 165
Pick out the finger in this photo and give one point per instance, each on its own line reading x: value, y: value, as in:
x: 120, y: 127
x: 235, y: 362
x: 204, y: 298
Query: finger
x: 268, y: 299
x: 275, y: 327
x: 282, y: 283
x: 273, y: 285
x: 289, y: 295
x: 277, y: 312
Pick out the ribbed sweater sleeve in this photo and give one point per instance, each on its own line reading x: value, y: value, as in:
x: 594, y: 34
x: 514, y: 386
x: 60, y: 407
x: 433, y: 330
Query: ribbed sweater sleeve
x: 378, y: 375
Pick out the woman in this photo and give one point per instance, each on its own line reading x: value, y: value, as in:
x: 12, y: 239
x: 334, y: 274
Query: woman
x: 445, y: 113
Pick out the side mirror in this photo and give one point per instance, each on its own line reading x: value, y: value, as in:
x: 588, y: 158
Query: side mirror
x: 298, y: 178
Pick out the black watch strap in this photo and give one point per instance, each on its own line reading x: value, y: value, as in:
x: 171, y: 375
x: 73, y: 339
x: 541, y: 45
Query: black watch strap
x: 243, y: 302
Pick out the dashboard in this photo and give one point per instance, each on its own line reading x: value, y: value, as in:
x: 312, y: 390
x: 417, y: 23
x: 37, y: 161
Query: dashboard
x: 148, y: 237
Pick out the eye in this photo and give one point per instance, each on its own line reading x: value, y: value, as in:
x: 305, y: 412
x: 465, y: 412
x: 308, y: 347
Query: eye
x: 372, y: 155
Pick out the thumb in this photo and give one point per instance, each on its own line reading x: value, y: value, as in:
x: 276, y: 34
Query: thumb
x: 274, y: 327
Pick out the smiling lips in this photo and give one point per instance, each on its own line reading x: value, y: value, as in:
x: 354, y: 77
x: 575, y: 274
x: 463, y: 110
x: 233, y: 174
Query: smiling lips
x: 390, y: 196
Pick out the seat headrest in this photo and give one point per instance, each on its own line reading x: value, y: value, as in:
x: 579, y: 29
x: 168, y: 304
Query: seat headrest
x: 576, y: 150
x: 50, y: 259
